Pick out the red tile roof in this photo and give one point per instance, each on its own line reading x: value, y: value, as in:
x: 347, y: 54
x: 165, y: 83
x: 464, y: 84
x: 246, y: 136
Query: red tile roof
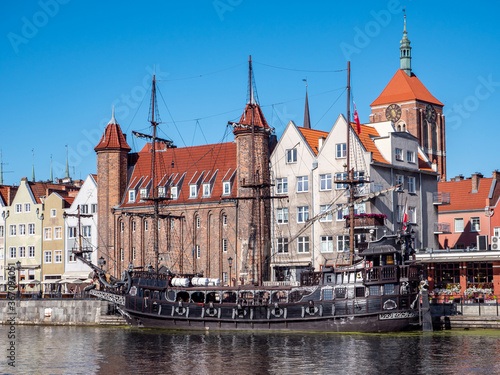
x: 366, y: 137
x: 179, y: 167
x: 112, y: 138
x: 253, y: 114
x: 41, y: 190
x: 402, y: 87
x: 461, y: 196
x: 7, y: 193
x: 312, y: 137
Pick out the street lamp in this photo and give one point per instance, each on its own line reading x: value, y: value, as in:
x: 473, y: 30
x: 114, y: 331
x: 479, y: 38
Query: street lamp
x: 18, y: 266
x: 101, y: 262
x: 230, y: 262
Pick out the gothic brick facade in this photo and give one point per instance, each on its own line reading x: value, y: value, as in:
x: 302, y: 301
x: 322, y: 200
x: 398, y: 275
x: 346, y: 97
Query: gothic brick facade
x: 217, y: 207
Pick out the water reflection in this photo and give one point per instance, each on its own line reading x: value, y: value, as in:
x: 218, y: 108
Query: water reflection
x: 92, y: 350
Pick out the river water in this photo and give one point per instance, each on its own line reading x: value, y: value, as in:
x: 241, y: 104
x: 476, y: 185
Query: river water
x: 103, y: 350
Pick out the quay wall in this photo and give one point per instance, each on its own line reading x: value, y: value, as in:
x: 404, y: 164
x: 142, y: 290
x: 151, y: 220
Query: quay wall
x: 55, y: 311
x: 97, y: 312
x: 466, y: 316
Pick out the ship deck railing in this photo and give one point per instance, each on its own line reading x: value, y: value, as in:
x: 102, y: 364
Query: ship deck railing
x: 390, y: 274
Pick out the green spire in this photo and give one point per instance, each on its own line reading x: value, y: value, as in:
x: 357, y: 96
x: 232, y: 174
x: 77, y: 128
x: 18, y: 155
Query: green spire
x: 405, y: 51
x: 66, y: 175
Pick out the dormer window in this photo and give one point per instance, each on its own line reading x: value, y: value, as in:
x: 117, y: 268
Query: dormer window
x: 173, y: 192
x: 131, y: 196
x: 144, y: 193
x: 161, y: 191
x: 206, y: 190
x: 226, y: 188
x: 193, y: 191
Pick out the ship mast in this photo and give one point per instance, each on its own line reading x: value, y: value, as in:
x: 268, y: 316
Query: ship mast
x: 154, y: 189
x: 350, y: 173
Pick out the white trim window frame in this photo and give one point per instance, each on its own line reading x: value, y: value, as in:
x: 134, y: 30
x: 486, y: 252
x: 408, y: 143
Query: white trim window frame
x: 412, y: 185
x: 282, y: 185
x: 282, y: 215
x: 302, y: 214
x: 303, y: 245
x: 302, y: 184
x: 291, y: 156
x: 340, y: 150
x: 325, y: 182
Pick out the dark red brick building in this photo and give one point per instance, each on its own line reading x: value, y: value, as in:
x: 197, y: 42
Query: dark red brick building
x: 216, y: 204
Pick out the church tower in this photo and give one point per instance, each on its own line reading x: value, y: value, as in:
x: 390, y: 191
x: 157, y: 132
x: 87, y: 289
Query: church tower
x: 410, y: 107
x: 112, y: 158
x: 252, y: 137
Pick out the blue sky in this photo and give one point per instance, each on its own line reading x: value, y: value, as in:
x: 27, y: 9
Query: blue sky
x: 65, y: 63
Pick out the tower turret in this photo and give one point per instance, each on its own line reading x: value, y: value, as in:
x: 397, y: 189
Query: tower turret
x: 405, y: 51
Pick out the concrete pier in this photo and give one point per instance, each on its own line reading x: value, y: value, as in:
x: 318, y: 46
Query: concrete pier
x: 59, y: 312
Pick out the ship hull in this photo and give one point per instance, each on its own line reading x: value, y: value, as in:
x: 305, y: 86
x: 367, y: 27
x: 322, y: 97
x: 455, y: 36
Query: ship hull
x: 365, y: 323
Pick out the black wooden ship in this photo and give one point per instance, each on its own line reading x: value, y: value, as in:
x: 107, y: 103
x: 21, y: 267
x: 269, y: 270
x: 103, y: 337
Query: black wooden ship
x: 380, y: 293
x: 377, y: 292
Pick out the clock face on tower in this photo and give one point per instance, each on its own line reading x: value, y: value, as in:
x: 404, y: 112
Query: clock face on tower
x: 393, y: 113
x: 430, y: 113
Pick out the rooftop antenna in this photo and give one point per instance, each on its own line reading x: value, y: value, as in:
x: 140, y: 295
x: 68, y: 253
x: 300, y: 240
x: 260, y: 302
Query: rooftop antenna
x: 33, y: 166
x: 51, y: 170
x: 1, y: 168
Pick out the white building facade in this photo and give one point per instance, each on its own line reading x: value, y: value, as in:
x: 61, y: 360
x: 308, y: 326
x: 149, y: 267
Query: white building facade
x: 308, y: 165
x: 81, y: 230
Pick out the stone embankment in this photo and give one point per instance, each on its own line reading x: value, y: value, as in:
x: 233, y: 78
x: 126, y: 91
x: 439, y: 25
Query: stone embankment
x: 59, y: 312
x: 466, y: 316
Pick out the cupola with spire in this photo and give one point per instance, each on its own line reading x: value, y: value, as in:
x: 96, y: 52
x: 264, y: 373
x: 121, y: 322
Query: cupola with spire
x: 405, y: 52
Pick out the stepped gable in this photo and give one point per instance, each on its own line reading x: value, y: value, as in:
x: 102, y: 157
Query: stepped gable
x: 181, y: 167
x: 403, y: 87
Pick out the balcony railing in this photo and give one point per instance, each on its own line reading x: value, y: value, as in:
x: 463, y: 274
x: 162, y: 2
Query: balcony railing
x: 440, y: 198
x: 440, y: 228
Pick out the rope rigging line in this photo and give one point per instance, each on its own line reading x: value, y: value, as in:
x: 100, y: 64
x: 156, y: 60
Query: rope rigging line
x: 201, y: 75
x: 300, y: 70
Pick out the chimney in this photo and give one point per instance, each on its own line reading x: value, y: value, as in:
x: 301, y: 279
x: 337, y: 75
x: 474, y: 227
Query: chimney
x: 496, y: 175
x: 321, y: 140
x: 460, y: 177
x: 475, y: 181
x: 434, y: 166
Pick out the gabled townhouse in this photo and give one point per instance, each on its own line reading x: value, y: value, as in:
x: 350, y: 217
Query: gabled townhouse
x: 7, y: 194
x: 53, y: 235
x: 308, y: 167
x: 24, y: 225
x: 80, y: 228
x: 469, y: 243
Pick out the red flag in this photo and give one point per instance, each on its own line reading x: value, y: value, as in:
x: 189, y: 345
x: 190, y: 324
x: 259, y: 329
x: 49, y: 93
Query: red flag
x: 405, y: 217
x: 356, y: 118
